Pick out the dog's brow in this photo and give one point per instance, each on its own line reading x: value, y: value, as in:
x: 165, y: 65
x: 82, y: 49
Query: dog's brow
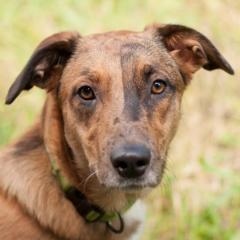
x: 147, y: 69
x: 90, y: 74
x: 85, y: 72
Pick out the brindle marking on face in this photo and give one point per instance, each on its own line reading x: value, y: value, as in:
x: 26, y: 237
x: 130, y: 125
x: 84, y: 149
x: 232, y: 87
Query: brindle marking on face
x: 137, y: 68
x: 121, y: 73
x: 130, y: 80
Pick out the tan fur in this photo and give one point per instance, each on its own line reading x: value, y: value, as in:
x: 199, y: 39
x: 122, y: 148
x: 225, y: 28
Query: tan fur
x: 80, y: 139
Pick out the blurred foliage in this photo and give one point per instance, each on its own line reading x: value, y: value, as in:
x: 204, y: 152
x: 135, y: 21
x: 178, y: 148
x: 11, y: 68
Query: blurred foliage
x: 200, y: 194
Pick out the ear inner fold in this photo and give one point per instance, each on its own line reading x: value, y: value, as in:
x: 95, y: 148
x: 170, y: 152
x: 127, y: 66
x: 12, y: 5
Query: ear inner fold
x: 190, y: 49
x: 189, y: 58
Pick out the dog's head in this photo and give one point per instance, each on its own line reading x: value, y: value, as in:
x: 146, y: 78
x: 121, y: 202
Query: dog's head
x: 120, y: 95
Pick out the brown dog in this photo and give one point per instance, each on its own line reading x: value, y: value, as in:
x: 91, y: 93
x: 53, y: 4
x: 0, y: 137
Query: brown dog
x: 112, y: 108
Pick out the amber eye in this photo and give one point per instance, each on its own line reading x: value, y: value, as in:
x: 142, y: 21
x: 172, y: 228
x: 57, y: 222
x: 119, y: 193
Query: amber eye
x: 158, y: 86
x: 86, y: 93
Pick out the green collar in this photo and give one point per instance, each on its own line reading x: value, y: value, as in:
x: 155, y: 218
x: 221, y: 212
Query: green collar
x: 90, y: 212
x: 63, y: 182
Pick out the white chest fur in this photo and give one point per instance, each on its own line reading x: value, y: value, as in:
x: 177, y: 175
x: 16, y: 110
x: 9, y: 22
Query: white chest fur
x: 136, y: 213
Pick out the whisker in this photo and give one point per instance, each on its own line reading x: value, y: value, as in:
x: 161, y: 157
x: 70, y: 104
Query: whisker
x: 88, y: 179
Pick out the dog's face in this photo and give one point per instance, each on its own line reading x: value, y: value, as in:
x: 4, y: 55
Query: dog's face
x: 120, y: 96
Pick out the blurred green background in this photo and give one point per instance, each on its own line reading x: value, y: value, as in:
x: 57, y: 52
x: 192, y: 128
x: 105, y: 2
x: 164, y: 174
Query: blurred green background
x: 200, y: 194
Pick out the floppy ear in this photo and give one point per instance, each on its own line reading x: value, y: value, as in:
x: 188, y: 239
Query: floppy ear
x: 46, y: 64
x: 191, y: 50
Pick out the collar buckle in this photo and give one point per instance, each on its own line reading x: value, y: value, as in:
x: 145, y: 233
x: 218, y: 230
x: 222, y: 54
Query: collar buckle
x: 121, y: 225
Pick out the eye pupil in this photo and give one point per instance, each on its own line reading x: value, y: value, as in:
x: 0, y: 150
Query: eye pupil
x: 86, y: 93
x: 86, y: 90
x: 158, y: 87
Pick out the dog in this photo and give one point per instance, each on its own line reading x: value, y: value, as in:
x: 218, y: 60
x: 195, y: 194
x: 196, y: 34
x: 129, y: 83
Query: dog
x: 101, y: 141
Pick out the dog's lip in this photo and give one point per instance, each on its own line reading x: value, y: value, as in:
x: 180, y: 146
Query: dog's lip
x: 134, y: 187
x: 131, y: 186
x: 140, y: 186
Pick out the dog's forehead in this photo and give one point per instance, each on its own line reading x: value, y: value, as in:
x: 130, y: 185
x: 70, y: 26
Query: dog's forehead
x: 109, y: 49
x: 114, y: 54
x: 118, y: 43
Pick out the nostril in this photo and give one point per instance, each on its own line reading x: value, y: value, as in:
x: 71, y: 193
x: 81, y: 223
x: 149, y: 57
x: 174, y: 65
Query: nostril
x: 141, y: 163
x: 121, y: 165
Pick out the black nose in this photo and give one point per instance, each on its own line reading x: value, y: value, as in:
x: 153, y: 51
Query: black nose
x: 131, y: 161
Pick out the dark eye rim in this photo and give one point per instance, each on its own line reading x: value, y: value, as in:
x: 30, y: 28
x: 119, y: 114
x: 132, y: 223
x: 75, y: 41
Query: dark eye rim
x: 91, y: 98
x: 162, y: 81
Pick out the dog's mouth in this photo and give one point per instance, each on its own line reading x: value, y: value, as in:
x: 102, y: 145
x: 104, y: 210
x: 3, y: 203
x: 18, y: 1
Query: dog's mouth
x: 114, y: 182
x: 131, y: 186
x: 136, y: 186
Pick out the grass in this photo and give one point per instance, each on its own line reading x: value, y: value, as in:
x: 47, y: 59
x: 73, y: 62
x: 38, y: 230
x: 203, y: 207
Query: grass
x: 200, y: 194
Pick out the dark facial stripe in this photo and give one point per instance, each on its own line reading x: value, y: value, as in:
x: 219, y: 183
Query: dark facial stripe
x: 130, y: 79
